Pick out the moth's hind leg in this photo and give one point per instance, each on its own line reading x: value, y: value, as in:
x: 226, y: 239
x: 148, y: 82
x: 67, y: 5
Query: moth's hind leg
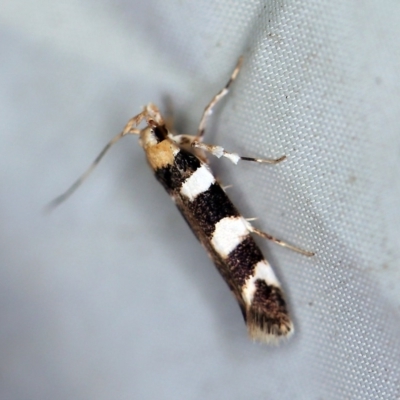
x: 282, y: 243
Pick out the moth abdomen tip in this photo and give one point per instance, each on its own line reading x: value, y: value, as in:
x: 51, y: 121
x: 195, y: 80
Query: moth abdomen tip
x: 267, y: 317
x: 270, y: 331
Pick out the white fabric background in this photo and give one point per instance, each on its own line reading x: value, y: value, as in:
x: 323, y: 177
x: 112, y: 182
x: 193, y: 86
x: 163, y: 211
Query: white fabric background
x: 111, y: 297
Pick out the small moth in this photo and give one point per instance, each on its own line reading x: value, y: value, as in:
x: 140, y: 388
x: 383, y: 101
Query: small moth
x: 180, y: 164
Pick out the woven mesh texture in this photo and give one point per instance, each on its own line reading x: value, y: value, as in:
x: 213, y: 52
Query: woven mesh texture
x: 118, y: 304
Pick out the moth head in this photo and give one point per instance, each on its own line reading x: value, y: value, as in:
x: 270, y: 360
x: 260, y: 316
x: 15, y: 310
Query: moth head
x: 152, y: 135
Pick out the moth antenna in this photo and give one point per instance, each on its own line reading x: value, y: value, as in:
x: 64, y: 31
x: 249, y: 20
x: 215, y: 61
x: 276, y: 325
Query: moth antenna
x: 220, y: 95
x: 129, y: 129
x: 60, y: 199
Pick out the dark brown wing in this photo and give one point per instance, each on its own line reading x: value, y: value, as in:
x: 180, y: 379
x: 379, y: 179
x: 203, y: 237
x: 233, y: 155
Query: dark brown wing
x: 266, y: 314
x: 215, y: 257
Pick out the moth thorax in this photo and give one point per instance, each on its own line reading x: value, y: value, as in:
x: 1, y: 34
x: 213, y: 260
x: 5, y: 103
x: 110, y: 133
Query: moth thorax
x: 159, y: 153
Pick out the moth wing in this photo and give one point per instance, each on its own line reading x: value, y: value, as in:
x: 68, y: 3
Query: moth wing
x: 215, y: 257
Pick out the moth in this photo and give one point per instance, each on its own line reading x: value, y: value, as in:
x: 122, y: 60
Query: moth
x: 180, y: 164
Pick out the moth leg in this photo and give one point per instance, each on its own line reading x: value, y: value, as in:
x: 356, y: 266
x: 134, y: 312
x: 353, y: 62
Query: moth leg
x: 222, y: 93
x: 186, y: 143
x: 219, y: 152
x: 129, y: 129
x: 278, y: 241
x: 226, y: 187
